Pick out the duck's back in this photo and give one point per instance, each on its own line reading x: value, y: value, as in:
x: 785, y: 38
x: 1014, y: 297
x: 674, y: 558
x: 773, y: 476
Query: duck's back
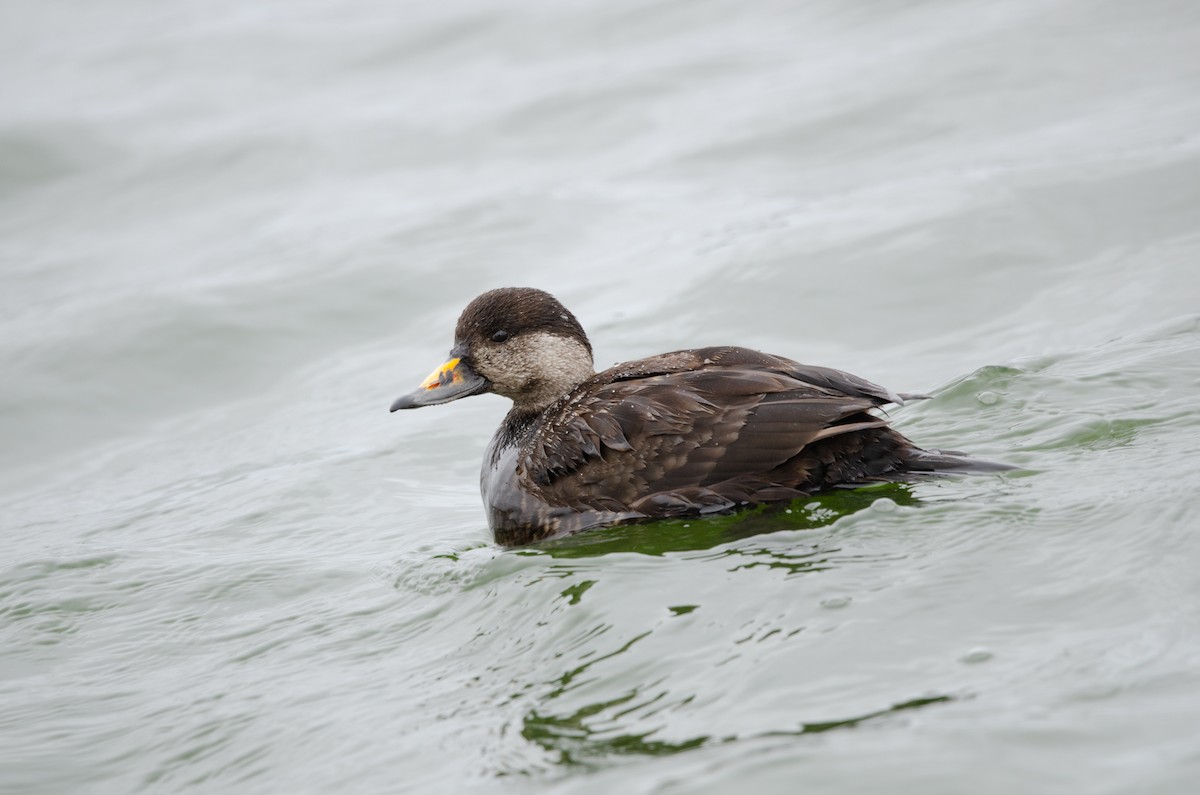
x: 689, y: 432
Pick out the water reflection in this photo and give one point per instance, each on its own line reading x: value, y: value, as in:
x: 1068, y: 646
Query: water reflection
x: 700, y: 533
x: 573, y: 741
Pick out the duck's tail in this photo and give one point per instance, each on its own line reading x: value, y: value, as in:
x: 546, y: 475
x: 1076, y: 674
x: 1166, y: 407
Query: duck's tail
x: 949, y: 462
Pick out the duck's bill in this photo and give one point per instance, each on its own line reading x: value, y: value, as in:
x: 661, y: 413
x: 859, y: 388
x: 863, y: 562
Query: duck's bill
x: 453, y: 380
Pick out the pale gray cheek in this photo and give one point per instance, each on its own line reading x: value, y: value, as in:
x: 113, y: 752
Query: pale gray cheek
x: 485, y: 366
x: 505, y: 370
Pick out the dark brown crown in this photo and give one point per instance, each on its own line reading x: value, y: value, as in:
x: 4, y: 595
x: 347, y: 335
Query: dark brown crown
x: 517, y: 310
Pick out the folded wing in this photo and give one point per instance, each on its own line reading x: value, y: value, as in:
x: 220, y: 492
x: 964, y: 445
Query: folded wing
x: 706, y: 430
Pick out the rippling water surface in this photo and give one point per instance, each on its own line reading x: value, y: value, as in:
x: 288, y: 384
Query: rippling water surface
x: 232, y: 232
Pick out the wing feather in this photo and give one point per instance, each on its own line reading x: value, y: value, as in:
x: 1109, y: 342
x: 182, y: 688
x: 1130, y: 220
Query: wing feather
x: 696, y: 431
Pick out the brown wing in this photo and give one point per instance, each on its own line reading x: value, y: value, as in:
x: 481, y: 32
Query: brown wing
x: 699, y: 430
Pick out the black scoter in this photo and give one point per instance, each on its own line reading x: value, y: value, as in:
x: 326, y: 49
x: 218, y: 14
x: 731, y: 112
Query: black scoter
x: 685, y: 433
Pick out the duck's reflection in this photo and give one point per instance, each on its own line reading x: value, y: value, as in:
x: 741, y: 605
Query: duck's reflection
x: 700, y: 533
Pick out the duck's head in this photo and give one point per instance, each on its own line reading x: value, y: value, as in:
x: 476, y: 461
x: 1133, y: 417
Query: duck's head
x: 516, y: 341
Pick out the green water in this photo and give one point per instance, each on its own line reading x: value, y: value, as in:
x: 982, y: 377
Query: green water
x: 231, y: 234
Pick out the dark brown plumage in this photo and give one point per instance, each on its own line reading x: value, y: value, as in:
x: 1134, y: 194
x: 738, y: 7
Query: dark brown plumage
x: 683, y: 433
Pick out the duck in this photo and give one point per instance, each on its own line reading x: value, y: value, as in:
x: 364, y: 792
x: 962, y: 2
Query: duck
x: 686, y: 433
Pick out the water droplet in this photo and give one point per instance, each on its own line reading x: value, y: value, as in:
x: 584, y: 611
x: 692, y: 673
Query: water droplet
x: 987, y: 398
x: 884, y: 505
x: 835, y: 602
x: 975, y: 656
x: 812, y: 506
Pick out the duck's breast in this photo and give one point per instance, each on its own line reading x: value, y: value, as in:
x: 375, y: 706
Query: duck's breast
x: 516, y: 512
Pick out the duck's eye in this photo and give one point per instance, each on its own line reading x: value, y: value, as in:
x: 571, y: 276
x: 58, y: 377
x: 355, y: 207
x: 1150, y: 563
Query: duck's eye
x: 500, y: 336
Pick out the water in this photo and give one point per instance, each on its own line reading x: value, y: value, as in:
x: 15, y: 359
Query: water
x: 232, y: 233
